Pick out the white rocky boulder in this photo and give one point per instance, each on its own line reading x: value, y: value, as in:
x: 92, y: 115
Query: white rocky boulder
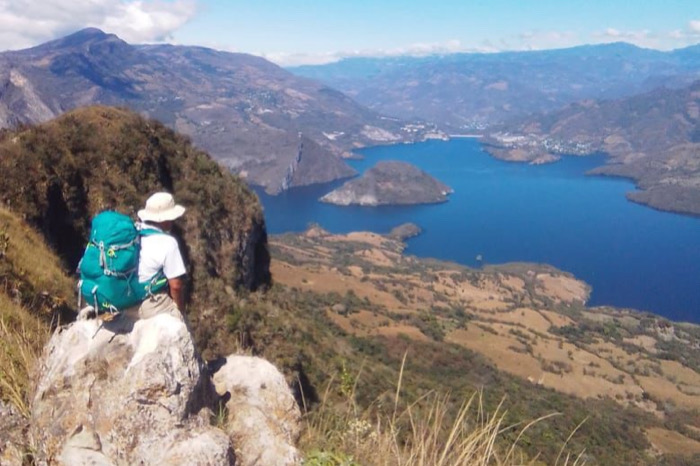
x: 264, y: 419
x: 113, y: 396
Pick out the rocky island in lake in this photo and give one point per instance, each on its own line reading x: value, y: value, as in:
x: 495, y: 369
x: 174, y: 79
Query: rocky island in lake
x: 390, y: 183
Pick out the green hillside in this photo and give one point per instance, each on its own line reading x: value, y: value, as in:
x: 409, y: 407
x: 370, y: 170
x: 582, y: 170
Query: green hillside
x: 363, y: 392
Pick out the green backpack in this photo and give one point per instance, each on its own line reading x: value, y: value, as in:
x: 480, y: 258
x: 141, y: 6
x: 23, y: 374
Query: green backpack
x: 109, y: 278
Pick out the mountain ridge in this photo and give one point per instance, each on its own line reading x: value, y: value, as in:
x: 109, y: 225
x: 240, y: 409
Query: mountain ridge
x: 471, y: 91
x: 250, y: 114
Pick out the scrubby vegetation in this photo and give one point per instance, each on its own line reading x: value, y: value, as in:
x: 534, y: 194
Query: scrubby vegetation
x: 520, y: 304
x: 57, y: 175
x: 350, y: 318
x: 35, y: 293
x: 427, y: 431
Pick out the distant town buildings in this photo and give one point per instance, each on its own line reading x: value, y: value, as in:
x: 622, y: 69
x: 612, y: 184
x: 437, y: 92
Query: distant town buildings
x: 536, y: 142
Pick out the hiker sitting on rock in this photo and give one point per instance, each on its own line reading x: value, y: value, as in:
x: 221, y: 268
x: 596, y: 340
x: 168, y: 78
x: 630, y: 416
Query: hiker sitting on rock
x: 161, y: 253
x: 129, y: 266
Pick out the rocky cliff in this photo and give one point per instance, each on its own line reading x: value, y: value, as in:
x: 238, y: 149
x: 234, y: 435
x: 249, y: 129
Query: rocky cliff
x: 390, y: 183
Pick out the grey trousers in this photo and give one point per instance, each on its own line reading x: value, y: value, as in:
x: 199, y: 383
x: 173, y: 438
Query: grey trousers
x: 160, y: 303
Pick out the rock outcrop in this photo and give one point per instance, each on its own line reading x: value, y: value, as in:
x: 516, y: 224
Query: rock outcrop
x: 390, y: 183
x: 263, y: 417
x: 127, y: 392
x: 110, y: 396
x: 405, y: 231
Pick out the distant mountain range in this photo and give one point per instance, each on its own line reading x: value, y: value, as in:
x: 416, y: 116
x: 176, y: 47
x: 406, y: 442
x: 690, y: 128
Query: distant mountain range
x: 467, y: 92
x: 279, y: 130
x: 653, y: 138
x: 275, y: 128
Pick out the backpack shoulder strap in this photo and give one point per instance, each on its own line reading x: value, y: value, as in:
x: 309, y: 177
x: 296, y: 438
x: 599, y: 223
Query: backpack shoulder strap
x: 159, y: 281
x: 150, y: 232
x: 147, y: 230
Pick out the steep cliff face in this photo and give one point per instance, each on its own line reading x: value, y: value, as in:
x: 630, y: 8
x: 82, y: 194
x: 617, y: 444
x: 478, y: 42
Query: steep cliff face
x: 59, y: 174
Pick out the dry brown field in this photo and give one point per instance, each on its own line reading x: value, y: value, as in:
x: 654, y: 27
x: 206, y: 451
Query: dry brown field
x: 514, y: 315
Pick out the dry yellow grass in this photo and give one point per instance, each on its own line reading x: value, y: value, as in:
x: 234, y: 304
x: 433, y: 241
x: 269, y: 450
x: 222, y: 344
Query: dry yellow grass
x: 31, y: 257
x: 32, y: 285
x: 327, y: 280
x: 562, y: 288
x: 663, y: 389
x: 668, y: 441
x: 22, y: 337
x: 510, y: 303
x: 360, y: 323
x: 407, y: 330
x: 425, y: 433
x: 498, y: 349
x: 556, y: 320
x: 643, y: 341
x: 530, y: 318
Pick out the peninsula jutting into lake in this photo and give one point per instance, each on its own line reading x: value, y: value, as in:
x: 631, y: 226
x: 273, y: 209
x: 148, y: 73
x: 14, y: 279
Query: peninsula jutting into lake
x: 631, y: 255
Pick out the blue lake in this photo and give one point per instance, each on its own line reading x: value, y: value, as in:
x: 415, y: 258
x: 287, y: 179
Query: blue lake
x: 631, y: 255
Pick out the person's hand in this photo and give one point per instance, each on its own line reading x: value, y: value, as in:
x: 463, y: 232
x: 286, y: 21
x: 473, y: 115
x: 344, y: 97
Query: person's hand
x: 87, y: 313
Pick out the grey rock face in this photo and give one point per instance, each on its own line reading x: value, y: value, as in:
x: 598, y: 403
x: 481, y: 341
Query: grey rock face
x: 109, y: 396
x: 263, y: 417
x: 12, y: 441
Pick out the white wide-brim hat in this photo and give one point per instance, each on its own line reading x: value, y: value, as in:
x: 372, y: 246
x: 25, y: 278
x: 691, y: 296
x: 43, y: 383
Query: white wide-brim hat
x: 161, y: 207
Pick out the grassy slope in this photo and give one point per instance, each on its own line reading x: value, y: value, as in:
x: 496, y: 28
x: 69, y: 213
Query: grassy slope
x: 34, y: 292
x: 298, y: 326
x: 464, y: 330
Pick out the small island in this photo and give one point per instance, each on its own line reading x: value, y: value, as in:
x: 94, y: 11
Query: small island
x: 405, y: 231
x: 390, y: 183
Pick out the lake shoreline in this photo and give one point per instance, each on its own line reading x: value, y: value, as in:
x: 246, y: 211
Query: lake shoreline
x: 509, y: 212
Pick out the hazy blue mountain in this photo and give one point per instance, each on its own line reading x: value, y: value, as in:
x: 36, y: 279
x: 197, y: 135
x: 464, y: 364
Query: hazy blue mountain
x: 473, y: 90
x: 278, y: 129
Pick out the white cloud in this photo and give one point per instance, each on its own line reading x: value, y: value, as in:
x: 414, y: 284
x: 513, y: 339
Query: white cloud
x: 415, y: 50
x: 694, y: 26
x: 296, y: 59
x: 662, y: 40
x: 684, y: 37
x: 540, y: 40
x: 690, y: 35
x: 641, y: 38
x: 24, y: 23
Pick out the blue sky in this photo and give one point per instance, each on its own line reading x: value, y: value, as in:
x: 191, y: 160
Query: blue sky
x: 309, y: 31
